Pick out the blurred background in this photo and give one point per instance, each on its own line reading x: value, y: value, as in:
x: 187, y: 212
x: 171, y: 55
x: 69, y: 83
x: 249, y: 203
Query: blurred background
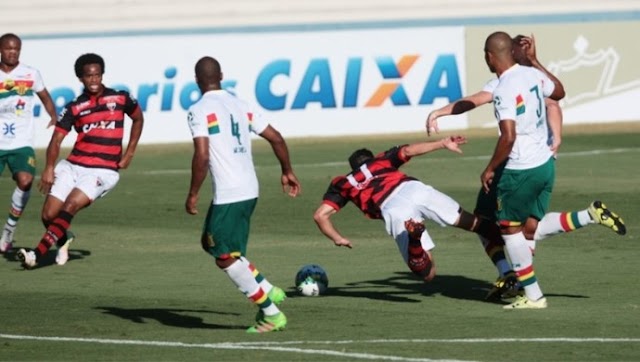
x: 331, y: 68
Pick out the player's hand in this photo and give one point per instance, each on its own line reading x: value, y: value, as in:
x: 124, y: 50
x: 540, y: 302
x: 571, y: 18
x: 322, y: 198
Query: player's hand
x: 432, y: 123
x: 487, y: 179
x: 125, y: 161
x: 52, y: 122
x: 343, y: 242
x: 529, y: 45
x: 290, y: 184
x: 190, y: 204
x: 453, y: 143
x: 46, y: 180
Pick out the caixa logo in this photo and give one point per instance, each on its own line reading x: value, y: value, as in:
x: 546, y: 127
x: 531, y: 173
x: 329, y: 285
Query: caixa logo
x: 317, y: 83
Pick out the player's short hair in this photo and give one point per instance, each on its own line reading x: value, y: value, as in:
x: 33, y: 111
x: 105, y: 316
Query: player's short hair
x: 89, y: 58
x: 517, y: 39
x: 9, y: 36
x: 359, y: 157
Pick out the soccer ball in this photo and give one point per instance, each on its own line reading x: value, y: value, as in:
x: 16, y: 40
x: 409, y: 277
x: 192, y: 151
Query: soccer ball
x: 312, y: 280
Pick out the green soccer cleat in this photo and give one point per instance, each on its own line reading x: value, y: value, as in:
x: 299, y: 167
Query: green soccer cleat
x: 603, y: 216
x: 522, y: 302
x: 277, y: 296
x: 505, y: 287
x: 269, y: 324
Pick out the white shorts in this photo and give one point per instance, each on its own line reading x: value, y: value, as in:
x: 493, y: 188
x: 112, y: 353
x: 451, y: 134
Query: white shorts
x: 93, y: 182
x: 415, y: 200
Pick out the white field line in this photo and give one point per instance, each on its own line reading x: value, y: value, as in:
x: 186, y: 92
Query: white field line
x: 462, y: 158
x: 270, y: 346
x: 282, y: 346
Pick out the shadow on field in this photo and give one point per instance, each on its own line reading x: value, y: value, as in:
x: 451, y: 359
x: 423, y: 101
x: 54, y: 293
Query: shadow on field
x: 49, y: 258
x: 168, y: 317
x: 405, y: 287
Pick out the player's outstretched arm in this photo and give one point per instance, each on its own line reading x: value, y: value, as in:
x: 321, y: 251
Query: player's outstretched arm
x: 451, y: 143
x: 49, y: 106
x: 322, y: 217
x: 290, y: 183
x: 458, y: 107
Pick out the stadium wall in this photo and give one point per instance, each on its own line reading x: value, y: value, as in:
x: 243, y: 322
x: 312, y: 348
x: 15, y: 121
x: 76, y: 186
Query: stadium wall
x: 360, y: 78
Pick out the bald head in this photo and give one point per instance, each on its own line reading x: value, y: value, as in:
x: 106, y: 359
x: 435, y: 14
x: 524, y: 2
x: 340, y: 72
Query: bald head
x: 498, y: 52
x: 208, y: 74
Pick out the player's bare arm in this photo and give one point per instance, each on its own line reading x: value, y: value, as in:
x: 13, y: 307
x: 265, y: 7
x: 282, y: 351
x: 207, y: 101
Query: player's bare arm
x: 53, y: 151
x: 199, y: 170
x: 290, y: 183
x: 554, y: 115
x: 501, y: 153
x: 49, y: 106
x: 322, y: 217
x: 451, y: 143
x: 137, y: 119
x: 458, y: 107
x: 529, y: 46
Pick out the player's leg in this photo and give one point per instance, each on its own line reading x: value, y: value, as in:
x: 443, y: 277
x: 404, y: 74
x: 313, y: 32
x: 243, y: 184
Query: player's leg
x: 486, y: 203
x: 403, y: 221
x: 22, y: 165
x: 518, y: 193
x: 228, y: 225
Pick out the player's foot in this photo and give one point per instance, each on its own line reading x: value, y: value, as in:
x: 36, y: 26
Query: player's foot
x: 27, y: 258
x: 63, y: 252
x: 522, y: 302
x: 277, y: 296
x: 6, y: 241
x: 269, y: 324
x: 602, y: 215
x: 505, y: 287
x: 414, y: 229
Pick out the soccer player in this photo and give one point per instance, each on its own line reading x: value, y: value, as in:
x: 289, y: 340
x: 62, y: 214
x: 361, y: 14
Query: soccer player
x: 381, y: 191
x: 527, y: 166
x: 524, y: 53
x: 221, y: 125
x: 91, y: 169
x: 18, y: 85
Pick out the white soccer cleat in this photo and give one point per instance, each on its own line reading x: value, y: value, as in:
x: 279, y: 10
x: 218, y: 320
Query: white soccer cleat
x: 27, y: 258
x: 63, y: 252
x: 522, y: 302
x: 6, y: 241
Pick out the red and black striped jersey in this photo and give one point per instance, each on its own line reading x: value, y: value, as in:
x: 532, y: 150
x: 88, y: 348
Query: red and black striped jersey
x: 370, y: 185
x: 99, y: 122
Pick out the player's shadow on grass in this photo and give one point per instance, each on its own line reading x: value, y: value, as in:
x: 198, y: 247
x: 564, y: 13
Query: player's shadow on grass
x: 49, y: 258
x: 168, y: 317
x: 404, y: 285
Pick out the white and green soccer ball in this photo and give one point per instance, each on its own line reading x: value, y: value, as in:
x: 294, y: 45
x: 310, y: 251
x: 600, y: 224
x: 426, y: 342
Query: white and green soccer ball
x: 312, y: 280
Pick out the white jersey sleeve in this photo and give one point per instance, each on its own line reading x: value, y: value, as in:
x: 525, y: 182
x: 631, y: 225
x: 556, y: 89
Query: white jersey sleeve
x: 38, y: 82
x: 197, y: 123
x: 491, y: 85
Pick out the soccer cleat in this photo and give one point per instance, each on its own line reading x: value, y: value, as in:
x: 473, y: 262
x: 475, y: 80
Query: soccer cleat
x: 277, y: 296
x: 522, y: 302
x: 27, y: 258
x: 505, y: 287
x: 269, y: 324
x: 602, y: 215
x: 6, y: 241
x: 63, y: 252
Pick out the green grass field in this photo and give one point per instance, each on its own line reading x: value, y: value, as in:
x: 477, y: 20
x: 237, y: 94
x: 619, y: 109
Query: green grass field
x: 138, y: 286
